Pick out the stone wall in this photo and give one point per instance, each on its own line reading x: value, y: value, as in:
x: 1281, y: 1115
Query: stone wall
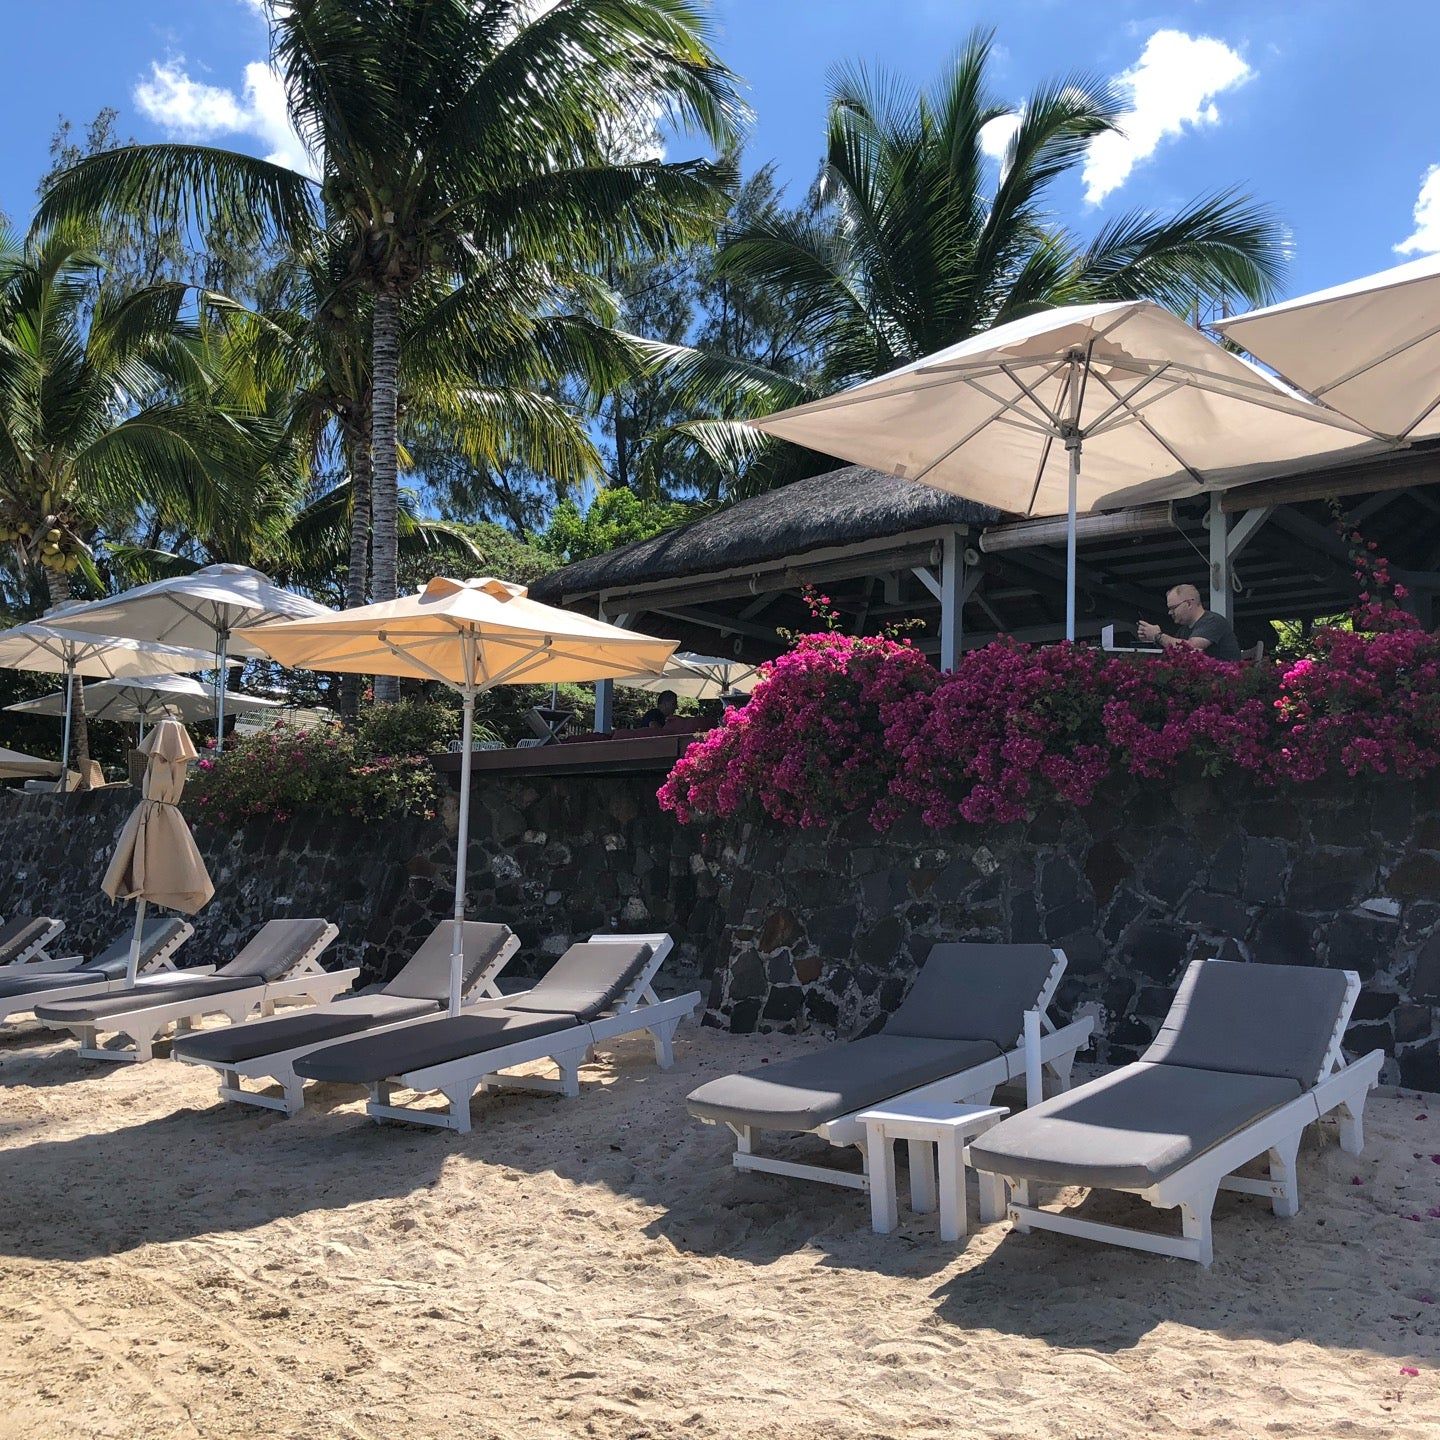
x: 554, y: 860
x: 827, y: 929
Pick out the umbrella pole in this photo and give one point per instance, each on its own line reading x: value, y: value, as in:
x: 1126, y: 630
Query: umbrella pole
x: 462, y: 848
x: 133, y: 968
x: 1073, y: 445
x: 223, y: 640
x: 63, y: 783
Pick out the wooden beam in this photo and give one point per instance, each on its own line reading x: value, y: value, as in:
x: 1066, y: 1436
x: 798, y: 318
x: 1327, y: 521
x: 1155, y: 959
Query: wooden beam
x: 1387, y: 472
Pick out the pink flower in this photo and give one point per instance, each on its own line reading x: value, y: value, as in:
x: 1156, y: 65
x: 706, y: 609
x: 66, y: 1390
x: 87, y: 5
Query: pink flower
x: 1409, y: 1370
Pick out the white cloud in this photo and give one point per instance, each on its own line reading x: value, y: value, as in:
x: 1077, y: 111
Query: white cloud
x: 193, y: 110
x: 1172, y: 88
x: 1426, y: 238
x: 996, y: 135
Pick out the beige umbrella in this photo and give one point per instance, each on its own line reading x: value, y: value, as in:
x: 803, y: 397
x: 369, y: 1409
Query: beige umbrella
x: 155, y: 859
x: 14, y: 765
x: 700, y: 677
x: 470, y: 635
x: 1159, y: 411
x: 1369, y: 347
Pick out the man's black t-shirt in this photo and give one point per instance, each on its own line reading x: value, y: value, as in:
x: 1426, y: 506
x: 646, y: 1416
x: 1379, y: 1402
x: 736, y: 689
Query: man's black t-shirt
x: 1216, y: 629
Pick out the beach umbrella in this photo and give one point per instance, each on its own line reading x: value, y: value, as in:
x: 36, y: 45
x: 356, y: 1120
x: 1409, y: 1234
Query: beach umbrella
x: 699, y: 677
x: 201, y: 610
x: 145, y: 700
x: 470, y: 635
x: 155, y: 860
x: 1156, y: 410
x: 1369, y: 347
x: 14, y: 765
x: 52, y: 648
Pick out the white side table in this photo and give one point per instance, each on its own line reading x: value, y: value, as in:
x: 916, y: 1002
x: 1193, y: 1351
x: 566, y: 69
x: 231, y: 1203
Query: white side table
x: 947, y: 1127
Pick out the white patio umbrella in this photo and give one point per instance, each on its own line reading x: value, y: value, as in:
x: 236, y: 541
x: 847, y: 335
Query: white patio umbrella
x: 1158, y: 411
x: 145, y: 700
x: 203, y: 610
x: 700, y: 677
x: 156, y: 860
x: 1369, y: 347
x: 16, y: 765
x: 55, y: 649
x: 470, y: 635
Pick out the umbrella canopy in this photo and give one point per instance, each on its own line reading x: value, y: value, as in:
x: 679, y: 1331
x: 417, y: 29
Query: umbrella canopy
x: 52, y: 648
x: 201, y: 609
x: 155, y: 859
x: 181, y: 697
x: 1159, y: 411
x: 700, y: 677
x: 470, y: 635
x: 17, y: 766
x: 1370, y: 347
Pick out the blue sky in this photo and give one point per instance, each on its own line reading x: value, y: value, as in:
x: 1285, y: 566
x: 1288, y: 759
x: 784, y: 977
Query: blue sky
x: 1327, y: 111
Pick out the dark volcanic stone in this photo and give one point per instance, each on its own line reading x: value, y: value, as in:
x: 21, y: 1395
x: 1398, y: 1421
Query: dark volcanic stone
x: 744, y: 1016
x: 1266, y: 865
x: 1105, y: 867
x: 807, y: 969
x: 821, y: 1008
x: 1227, y: 864
x: 780, y: 928
x: 783, y: 1003
x: 1355, y: 943
x: 1374, y: 1005
x: 1412, y: 1022
x: 1172, y: 869
x: 1221, y: 914
x: 832, y: 929
x: 1331, y: 880
x: 1156, y: 949
x: 1427, y: 969
x: 881, y: 945
x: 1024, y: 919
x: 747, y: 976
x: 1420, y: 1067
x: 1283, y: 938
x: 1416, y: 877
x: 1361, y: 1039
x: 1059, y: 883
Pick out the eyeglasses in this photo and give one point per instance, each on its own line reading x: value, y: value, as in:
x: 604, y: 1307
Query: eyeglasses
x: 1178, y: 605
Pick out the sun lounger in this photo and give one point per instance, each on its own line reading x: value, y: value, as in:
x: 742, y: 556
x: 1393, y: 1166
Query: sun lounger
x: 268, y: 1049
x: 1248, y: 1056
x: 960, y: 1032
x: 594, y: 992
x: 161, y: 937
x: 280, y: 964
x: 23, y: 942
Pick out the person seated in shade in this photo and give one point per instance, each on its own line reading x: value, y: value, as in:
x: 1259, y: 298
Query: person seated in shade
x: 660, y: 712
x: 1194, y: 625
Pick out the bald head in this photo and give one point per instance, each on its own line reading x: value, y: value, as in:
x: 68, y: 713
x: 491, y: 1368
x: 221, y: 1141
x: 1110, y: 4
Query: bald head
x: 1183, y: 603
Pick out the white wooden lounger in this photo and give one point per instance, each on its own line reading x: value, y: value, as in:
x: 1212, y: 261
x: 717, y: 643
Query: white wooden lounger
x: 305, y: 981
x: 639, y: 1009
x: 158, y: 966
x: 1340, y: 1088
x: 974, y: 1085
x: 31, y: 955
x: 279, y: 1065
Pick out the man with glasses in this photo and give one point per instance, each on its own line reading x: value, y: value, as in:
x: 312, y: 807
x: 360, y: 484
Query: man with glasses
x: 1194, y: 625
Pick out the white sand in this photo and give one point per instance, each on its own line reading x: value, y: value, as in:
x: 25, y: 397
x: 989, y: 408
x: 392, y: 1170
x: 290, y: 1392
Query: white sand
x: 170, y: 1267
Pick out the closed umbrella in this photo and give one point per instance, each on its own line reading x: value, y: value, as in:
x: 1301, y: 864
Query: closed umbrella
x: 202, y: 610
x: 52, y: 648
x: 1369, y: 347
x: 470, y: 635
x: 155, y: 860
x: 699, y: 677
x: 1158, y: 411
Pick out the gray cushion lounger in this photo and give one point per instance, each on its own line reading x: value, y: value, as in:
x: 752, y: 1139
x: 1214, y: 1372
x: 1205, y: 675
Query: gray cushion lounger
x: 1249, y: 1054
x: 421, y: 987
x: 17, y: 936
x: 584, y: 982
x: 109, y: 964
x: 270, y: 955
x: 966, y: 1006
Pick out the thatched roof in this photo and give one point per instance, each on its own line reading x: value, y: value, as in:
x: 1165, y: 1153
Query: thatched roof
x: 837, y: 508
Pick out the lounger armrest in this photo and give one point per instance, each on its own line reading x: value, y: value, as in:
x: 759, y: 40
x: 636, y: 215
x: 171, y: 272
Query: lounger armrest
x: 43, y: 964
x: 1074, y: 1036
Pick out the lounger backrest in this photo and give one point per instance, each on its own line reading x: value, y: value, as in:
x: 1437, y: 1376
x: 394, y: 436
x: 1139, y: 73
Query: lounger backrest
x: 159, y: 931
x: 1248, y: 1019
x: 974, y: 992
x: 426, y: 974
x: 277, y: 948
x: 586, y: 980
x: 17, y: 936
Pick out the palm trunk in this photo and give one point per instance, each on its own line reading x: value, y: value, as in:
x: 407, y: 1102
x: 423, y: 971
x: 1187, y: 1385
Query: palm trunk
x: 58, y: 583
x: 384, y: 494
x: 357, y: 581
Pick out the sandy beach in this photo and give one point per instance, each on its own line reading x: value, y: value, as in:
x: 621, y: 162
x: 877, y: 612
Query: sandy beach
x: 170, y: 1267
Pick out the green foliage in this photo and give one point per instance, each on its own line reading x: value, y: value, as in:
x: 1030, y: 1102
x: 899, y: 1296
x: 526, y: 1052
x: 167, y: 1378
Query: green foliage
x: 614, y: 518
x: 413, y: 726
x: 281, y: 771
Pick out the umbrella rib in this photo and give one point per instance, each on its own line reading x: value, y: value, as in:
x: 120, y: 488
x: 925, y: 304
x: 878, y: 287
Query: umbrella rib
x: 1156, y: 436
x: 1390, y: 354
x: 964, y: 439
x: 1132, y: 412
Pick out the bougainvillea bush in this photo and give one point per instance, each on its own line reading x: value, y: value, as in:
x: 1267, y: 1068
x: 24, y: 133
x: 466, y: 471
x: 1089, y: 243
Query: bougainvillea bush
x: 842, y: 726
x: 281, y: 770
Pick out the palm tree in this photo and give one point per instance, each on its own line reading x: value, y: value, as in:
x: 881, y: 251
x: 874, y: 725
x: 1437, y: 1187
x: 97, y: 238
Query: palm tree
x: 920, y: 242
x: 105, y: 415
x: 446, y: 131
